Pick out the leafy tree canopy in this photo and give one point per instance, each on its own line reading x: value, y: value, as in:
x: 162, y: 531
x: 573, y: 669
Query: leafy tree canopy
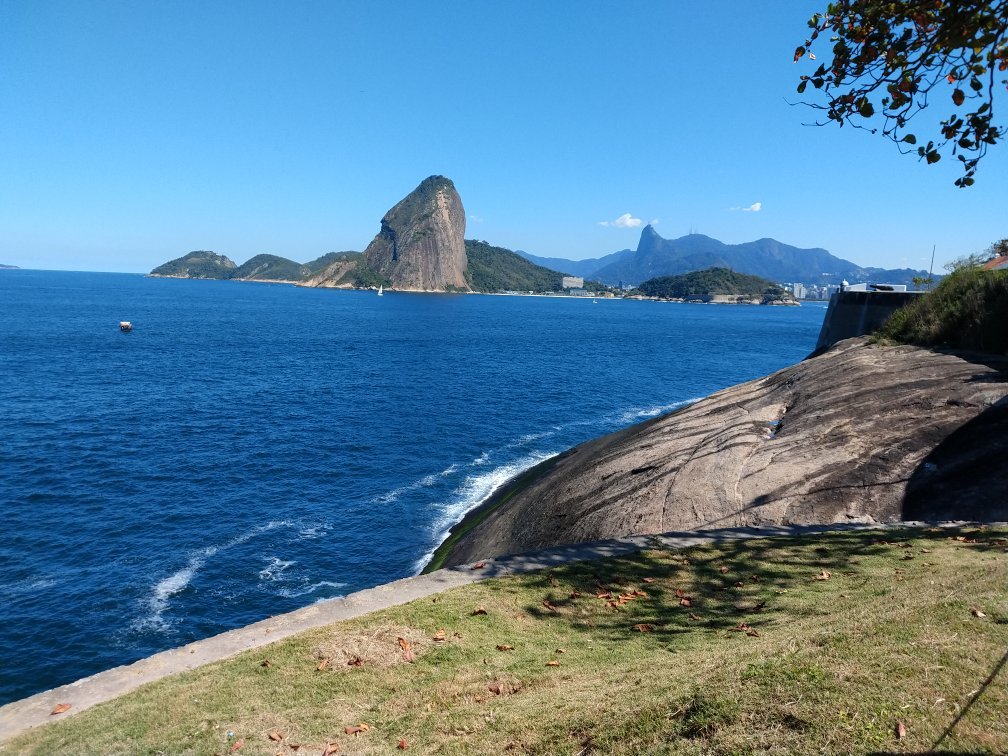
x: 894, y: 58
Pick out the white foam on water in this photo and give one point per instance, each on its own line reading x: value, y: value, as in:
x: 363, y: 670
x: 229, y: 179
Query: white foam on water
x: 178, y: 581
x: 314, y: 531
x: 29, y: 585
x: 425, y: 482
x: 481, y: 460
x: 475, y: 490
x: 530, y: 438
x: 275, y: 569
x: 312, y: 588
x: 636, y: 414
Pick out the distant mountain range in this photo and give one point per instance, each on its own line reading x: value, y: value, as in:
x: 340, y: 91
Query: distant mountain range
x: 768, y: 258
x: 421, y: 247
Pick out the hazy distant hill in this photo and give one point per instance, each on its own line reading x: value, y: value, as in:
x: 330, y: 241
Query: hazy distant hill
x: 769, y: 258
x: 9, y: 267
x: 584, y: 268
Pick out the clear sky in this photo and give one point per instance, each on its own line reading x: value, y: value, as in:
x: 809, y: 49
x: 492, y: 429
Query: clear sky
x: 133, y: 132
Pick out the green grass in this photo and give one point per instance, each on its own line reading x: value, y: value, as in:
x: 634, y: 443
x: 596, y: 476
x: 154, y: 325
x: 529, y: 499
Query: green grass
x: 967, y: 310
x: 827, y: 665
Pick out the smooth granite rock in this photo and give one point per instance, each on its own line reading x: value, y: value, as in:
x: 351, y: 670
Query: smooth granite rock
x: 860, y: 434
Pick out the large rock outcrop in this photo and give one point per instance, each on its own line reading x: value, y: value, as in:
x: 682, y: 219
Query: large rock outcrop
x: 861, y: 433
x: 421, y: 244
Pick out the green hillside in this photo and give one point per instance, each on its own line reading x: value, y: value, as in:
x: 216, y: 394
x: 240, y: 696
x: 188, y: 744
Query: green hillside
x: 321, y: 263
x: 198, y: 264
x: 495, y: 269
x: 270, y: 268
x: 703, y: 284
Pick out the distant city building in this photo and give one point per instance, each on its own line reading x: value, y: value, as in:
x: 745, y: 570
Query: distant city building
x: 573, y: 282
x: 578, y: 293
x: 998, y: 263
x: 799, y: 291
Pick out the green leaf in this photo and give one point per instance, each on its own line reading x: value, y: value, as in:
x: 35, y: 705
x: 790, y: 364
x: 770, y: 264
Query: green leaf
x: 910, y: 139
x: 958, y: 96
x: 933, y: 157
x: 866, y: 109
x: 801, y: 87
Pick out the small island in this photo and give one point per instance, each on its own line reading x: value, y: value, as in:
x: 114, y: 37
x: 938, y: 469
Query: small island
x: 9, y: 267
x: 717, y: 286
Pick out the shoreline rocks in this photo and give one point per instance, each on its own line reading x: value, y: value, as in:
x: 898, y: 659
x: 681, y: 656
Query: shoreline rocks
x: 859, y: 434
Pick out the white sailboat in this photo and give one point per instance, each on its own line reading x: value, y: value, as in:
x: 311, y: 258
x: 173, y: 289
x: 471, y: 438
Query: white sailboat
x: 379, y: 290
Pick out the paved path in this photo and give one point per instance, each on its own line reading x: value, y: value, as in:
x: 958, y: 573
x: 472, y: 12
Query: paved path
x: 29, y: 712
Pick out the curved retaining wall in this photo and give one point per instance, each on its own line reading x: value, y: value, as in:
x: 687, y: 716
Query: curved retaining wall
x: 36, y: 710
x: 856, y: 313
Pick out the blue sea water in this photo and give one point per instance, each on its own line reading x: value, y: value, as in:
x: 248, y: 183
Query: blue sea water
x: 252, y: 448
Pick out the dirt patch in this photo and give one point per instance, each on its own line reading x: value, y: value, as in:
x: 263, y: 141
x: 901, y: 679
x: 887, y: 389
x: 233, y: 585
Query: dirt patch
x: 375, y: 647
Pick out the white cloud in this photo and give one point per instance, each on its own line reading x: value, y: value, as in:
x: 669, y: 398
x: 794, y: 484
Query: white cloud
x: 755, y: 207
x: 624, y: 221
x: 475, y: 219
x: 654, y: 221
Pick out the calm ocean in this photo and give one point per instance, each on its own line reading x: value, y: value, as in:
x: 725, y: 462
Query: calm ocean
x: 252, y: 448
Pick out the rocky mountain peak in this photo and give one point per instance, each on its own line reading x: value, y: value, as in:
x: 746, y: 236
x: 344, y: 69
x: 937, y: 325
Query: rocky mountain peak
x: 421, y: 244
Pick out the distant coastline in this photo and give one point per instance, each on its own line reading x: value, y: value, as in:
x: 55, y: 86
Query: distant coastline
x: 9, y: 267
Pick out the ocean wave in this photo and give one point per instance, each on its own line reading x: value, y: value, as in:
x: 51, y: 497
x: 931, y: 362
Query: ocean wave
x: 28, y: 585
x: 163, y: 591
x: 425, y: 482
x: 473, y: 491
x: 275, y: 569
x: 636, y: 414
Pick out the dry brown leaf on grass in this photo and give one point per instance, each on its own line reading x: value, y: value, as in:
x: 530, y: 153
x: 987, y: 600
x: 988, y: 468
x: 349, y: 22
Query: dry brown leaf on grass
x: 326, y: 661
x: 402, y: 745
x: 407, y: 650
x: 723, y: 569
x: 553, y: 663
x: 824, y: 575
x: 59, y: 708
x: 439, y: 636
x: 976, y: 612
x: 276, y: 737
x: 237, y: 744
x: 266, y: 663
x: 294, y: 746
x: 479, y: 565
x: 575, y: 595
x: 356, y: 729
x: 504, y: 647
x: 742, y: 627
x: 549, y: 605
x: 478, y: 610
x: 694, y: 617
x: 643, y: 627
x: 649, y: 580
x: 560, y: 651
x: 900, y: 730
x: 355, y: 661
x: 685, y: 601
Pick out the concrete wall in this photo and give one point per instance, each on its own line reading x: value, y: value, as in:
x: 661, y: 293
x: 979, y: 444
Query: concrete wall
x: 855, y: 313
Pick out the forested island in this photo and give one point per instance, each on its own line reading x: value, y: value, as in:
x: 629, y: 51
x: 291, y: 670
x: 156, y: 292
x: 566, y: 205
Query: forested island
x: 717, y: 285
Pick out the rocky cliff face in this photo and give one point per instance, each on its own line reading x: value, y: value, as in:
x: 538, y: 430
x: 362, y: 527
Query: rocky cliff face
x: 421, y: 245
x: 859, y: 434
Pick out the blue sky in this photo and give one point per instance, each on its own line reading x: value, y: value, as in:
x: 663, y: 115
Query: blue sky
x: 133, y: 132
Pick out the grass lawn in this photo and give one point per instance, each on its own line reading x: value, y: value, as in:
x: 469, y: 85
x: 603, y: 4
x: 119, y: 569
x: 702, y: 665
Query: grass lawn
x: 847, y: 642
